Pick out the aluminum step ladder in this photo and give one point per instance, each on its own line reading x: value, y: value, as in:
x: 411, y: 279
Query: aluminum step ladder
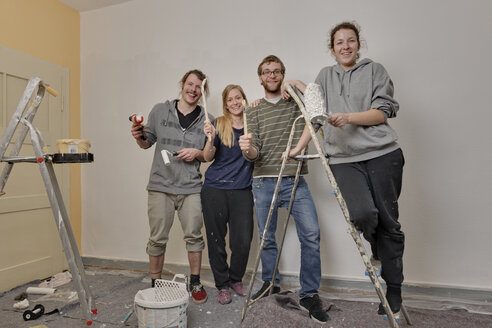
x: 22, y: 119
x: 370, y: 269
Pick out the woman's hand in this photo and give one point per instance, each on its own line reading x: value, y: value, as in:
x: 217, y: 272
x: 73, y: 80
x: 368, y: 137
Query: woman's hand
x: 246, y: 145
x: 339, y: 119
x: 209, y: 129
x: 246, y: 142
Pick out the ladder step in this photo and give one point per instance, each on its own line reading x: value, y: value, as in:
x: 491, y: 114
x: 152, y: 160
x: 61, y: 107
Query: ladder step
x: 73, y: 158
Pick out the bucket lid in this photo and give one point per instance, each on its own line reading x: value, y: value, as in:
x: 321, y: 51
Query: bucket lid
x: 72, y: 141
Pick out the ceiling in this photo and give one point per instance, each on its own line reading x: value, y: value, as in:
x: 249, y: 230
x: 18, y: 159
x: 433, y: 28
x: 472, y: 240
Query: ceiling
x: 86, y: 5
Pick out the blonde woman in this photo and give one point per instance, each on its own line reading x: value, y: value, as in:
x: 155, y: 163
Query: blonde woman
x: 226, y: 197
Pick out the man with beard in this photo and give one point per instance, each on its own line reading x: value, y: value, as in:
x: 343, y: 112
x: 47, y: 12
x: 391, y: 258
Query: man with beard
x: 270, y: 124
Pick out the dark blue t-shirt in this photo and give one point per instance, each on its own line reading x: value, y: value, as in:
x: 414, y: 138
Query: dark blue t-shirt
x: 229, y: 170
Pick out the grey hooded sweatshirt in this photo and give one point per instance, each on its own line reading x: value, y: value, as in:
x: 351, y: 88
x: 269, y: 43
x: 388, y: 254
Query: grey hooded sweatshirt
x: 366, y: 85
x: 164, y: 130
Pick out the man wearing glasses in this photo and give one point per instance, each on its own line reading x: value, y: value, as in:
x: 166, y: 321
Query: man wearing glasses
x: 269, y: 126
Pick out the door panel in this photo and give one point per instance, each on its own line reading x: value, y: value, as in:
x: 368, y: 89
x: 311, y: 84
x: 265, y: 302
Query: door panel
x: 30, y: 246
x: 2, y: 112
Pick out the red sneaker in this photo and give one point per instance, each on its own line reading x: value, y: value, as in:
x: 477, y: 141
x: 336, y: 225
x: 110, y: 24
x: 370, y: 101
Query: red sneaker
x: 198, y: 294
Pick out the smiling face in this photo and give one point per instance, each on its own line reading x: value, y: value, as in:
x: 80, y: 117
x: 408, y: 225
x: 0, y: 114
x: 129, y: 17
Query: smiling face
x: 271, y: 78
x: 345, y: 48
x: 234, y: 102
x: 191, y: 90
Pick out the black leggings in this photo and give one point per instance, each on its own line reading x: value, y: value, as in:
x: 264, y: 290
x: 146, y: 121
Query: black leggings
x: 371, y: 189
x: 234, y: 208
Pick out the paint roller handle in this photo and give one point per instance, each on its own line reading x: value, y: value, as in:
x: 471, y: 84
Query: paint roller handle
x: 52, y: 91
x: 49, y: 89
x: 204, y: 100
x: 245, y: 121
x: 209, y: 135
x: 209, y: 130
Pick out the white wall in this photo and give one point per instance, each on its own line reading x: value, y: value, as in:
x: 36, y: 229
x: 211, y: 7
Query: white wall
x: 437, y: 53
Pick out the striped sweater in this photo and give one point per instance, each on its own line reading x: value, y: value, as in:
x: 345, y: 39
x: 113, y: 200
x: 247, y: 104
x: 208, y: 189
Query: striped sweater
x: 271, y: 125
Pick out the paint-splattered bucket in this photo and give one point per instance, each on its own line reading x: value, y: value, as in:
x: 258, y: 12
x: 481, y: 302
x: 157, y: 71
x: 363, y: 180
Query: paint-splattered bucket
x: 73, y: 146
x: 165, y: 305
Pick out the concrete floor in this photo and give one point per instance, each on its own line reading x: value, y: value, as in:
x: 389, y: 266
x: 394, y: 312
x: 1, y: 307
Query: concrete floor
x: 114, y: 291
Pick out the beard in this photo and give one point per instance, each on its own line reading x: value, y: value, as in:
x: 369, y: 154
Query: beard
x: 272, y: 89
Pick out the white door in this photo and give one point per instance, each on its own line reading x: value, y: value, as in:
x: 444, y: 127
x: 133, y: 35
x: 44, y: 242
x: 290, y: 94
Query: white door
x: 30, y: 246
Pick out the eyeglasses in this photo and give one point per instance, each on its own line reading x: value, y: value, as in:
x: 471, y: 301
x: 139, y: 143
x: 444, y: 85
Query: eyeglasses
x: 275, y: 72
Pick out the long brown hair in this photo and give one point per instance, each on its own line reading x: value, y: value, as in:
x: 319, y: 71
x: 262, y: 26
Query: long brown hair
x: 224, y: 123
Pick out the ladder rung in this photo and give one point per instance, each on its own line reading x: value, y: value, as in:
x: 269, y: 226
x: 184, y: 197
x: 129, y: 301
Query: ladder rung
x: 19, y: 159
x: 301, y: 157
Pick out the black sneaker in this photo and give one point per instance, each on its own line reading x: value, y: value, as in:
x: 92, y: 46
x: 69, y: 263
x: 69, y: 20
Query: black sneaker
x: 314, y: 306
x: 264, y: 291
x: 393, y: 296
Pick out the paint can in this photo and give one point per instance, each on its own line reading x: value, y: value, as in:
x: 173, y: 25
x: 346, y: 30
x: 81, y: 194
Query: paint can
x: 165, y: 305
x: 73, y: 146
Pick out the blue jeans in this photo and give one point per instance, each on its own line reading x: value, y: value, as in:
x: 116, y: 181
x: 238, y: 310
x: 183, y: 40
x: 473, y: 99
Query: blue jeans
x: 306, y: 220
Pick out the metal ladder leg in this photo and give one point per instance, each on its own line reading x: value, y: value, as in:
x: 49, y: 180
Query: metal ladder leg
x: 247, y: 302
x: 289, y: 210
x: 63, y: 224
x: 353, y: 232
x: 68, y: 240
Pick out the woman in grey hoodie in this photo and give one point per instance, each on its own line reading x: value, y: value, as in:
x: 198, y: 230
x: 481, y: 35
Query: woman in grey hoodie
x: 363, y: 153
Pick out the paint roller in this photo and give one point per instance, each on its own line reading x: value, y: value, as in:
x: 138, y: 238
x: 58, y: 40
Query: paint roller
x: 138, y: 119
x: 314, y: 103
x: 165, y: 156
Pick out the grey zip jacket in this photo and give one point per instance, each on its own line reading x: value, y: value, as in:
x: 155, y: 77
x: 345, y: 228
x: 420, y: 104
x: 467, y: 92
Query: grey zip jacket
x: 365, y: 86
x: 164, y: 130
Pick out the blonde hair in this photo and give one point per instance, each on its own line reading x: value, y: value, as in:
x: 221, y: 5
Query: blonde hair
x: 224, y: 123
